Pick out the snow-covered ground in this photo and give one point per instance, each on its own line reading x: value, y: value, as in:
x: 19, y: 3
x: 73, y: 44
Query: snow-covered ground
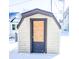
x: 14, y: 54
x: 12, y: 45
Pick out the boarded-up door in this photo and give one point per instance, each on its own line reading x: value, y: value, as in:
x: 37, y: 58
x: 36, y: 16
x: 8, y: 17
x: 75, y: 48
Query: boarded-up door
x: 38, y: 35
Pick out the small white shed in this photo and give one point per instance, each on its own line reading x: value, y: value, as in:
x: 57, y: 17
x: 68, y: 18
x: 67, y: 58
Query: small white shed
x: 38, y: 32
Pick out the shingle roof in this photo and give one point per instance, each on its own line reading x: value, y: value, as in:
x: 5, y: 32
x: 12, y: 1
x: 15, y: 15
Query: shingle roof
x: 37, y: 11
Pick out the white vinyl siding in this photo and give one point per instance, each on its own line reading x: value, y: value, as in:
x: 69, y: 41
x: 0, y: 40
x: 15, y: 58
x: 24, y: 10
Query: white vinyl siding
x: 52, y: 34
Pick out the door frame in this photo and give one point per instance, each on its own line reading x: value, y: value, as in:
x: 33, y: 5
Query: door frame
x: 45, y: 32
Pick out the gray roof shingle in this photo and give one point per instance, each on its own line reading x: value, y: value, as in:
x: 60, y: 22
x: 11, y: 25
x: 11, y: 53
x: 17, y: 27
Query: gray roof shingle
x: 38, y: 11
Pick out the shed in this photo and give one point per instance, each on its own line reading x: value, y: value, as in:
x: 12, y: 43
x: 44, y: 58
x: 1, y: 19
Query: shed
x: 38, y: 32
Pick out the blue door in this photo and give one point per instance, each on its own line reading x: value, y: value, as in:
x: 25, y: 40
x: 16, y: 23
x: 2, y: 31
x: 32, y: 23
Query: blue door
x: 38, y: 35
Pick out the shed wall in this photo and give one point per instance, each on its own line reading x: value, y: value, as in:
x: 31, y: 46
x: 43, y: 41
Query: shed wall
x: 52, y: 34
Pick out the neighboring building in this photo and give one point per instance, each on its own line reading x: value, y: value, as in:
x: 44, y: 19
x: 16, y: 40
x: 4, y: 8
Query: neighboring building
x: 14, y: 18
x: 38, y: 32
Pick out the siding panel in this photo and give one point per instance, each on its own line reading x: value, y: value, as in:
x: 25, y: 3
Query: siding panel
x: 52, y: 34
